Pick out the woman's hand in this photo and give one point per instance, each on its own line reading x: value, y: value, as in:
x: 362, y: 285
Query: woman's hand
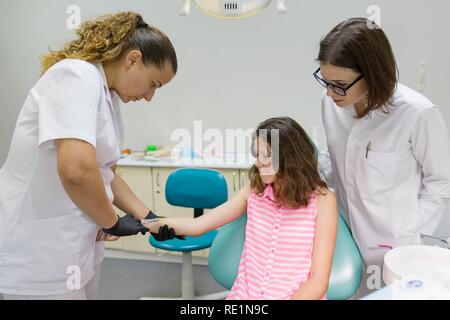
x: 126, y: 226
x: 153, y: 227
x: 101, y: 236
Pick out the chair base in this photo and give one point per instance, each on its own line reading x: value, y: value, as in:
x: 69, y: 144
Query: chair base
x: 187, y: 284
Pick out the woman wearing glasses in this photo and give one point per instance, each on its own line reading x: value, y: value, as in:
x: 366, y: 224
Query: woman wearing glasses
x: 388, y: 144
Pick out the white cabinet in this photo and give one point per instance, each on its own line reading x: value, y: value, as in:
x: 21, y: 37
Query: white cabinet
x: 162, y: 207
x: 243, y: 179
x: 232, y: 178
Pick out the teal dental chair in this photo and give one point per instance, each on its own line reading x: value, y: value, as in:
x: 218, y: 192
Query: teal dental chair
x: 346, y: 273
x: 198, y: 189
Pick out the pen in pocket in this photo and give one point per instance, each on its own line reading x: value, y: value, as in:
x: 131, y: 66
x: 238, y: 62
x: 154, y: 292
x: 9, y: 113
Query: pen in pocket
x: 368, y: 148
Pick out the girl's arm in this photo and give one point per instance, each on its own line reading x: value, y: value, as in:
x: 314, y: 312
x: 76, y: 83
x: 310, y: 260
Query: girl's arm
x: 324, y: 241
x: 217, y: 217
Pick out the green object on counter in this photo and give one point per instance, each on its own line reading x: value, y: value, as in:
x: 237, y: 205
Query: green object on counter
x: 151, y: 147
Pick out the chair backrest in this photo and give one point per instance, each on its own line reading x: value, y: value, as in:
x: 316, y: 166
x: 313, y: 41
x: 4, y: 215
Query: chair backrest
x: 347, y: 269
x: 346, y: 273
x: 196, y: 188
x: 225, y: 252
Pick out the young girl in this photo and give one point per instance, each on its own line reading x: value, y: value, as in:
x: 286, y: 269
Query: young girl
x: 291, y: 224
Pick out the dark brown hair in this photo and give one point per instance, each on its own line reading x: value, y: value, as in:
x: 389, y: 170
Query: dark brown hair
x: 110, y: 36
x: 361, y: 45
x: 297, y: 175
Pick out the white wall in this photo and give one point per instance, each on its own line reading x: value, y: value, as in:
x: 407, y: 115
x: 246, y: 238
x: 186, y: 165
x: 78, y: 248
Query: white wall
x: 232, y: 74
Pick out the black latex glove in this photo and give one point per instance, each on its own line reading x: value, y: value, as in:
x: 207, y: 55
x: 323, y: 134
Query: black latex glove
x: 126, y: 226
x: 165, y: 232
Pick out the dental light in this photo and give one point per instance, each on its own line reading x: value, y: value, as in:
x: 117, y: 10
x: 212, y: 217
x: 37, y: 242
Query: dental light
x: 230, y: 9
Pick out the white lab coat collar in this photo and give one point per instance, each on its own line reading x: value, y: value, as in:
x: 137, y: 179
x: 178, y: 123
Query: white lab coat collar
x: 105, y: 86
x: 102, y: 72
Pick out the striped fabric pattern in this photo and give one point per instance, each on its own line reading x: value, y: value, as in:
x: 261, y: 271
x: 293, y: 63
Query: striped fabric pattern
x: 277, y: 254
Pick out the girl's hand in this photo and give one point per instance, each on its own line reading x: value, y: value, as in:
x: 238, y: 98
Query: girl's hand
x: 162, y: 230
x: 153, y: 226
x: 101, y: 236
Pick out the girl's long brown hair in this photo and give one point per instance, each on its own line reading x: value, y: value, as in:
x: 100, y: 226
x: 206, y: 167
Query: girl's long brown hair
x: 297, y: 175
x: 109, y: 36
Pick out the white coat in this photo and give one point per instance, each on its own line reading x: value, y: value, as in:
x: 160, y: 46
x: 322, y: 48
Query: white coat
x: 391, y: 171
x: 44, y: 238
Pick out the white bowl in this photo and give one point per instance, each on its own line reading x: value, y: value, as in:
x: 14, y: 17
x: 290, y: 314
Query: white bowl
x: 427, y: 262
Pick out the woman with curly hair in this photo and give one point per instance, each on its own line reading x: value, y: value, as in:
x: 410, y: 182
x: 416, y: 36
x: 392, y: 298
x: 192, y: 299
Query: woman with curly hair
x: 58, y: 186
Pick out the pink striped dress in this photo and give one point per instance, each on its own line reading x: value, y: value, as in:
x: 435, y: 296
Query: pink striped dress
x: 277, y: 254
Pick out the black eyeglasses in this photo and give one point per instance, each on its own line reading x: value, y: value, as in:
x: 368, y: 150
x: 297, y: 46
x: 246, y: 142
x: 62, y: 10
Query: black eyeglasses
x: 337, y: 89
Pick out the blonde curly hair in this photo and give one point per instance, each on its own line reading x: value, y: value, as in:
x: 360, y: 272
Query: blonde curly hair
x: 109, y: 36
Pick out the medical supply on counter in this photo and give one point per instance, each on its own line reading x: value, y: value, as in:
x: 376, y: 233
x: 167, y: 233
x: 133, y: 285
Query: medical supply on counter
x: 415, y: 272
x: 151, y: 148
x: 423, y: 261
x: 413, y: 288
